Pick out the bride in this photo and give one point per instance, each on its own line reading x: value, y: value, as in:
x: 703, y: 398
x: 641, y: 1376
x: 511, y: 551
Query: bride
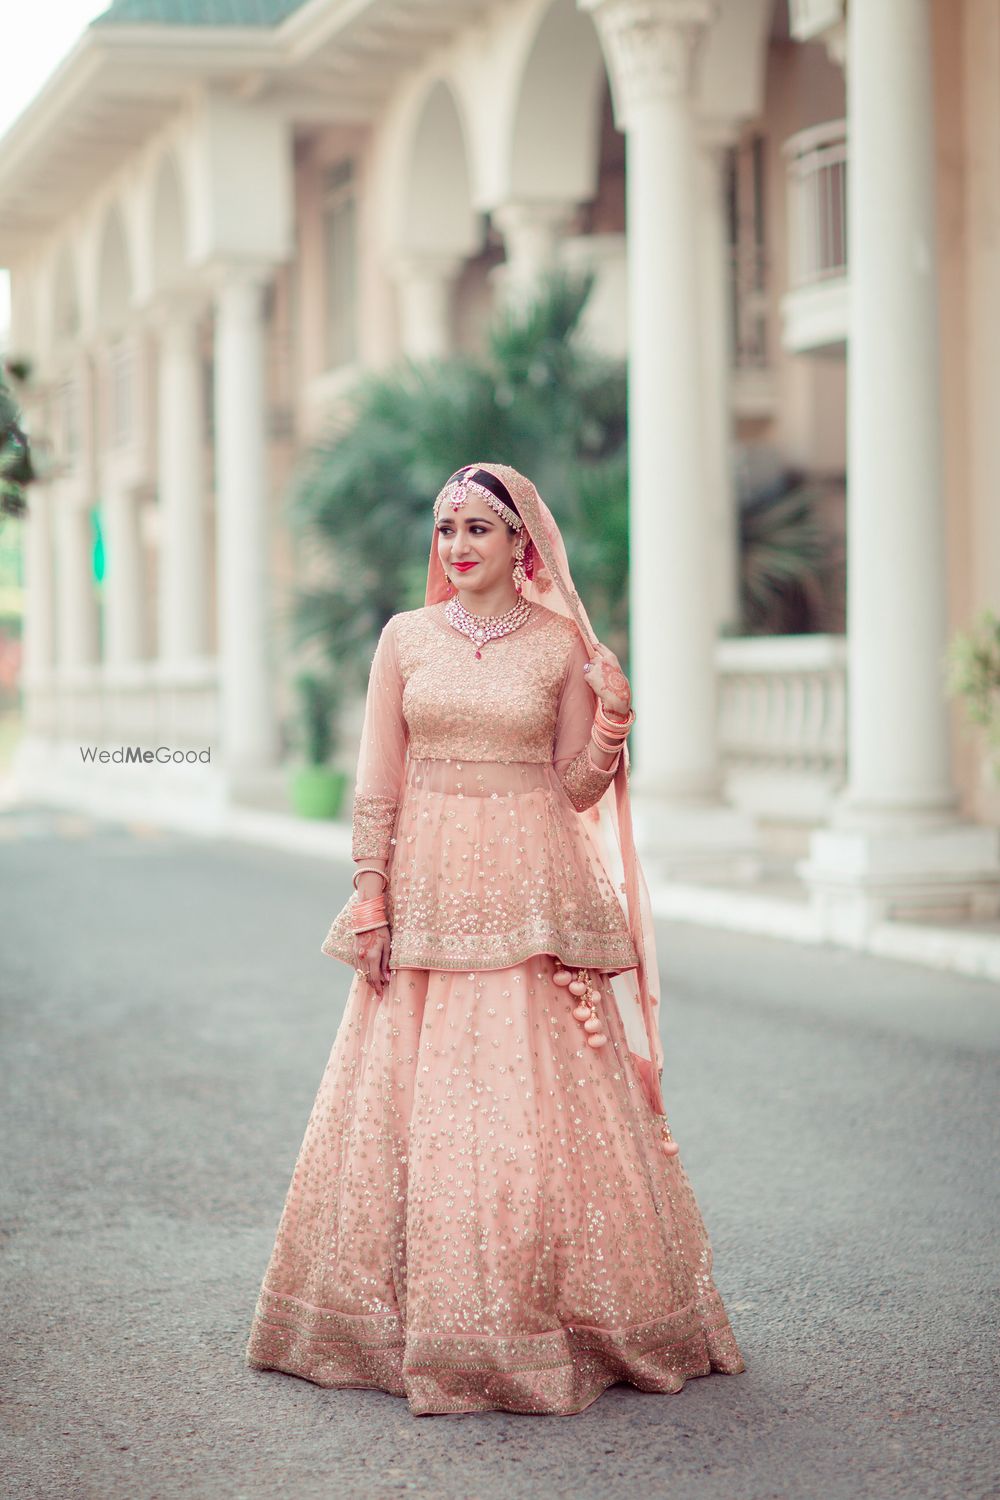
x: 488, y: 1210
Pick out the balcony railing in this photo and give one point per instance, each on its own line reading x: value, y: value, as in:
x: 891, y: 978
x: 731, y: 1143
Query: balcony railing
x: 147, y: 704
x: 817, y: 204
x: 783, y: 723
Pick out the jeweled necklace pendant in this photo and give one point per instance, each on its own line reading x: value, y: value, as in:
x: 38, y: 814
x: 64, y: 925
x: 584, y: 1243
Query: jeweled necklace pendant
x: 483, y: 628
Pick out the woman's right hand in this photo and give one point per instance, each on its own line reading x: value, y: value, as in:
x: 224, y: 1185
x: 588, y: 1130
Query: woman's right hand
x: 371, y: 956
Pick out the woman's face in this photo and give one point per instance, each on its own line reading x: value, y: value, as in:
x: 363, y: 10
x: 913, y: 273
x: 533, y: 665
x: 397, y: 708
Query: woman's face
x: 475, y: 534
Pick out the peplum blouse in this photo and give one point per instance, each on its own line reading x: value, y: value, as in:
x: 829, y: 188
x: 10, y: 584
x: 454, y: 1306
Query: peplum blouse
x: 470, y: 777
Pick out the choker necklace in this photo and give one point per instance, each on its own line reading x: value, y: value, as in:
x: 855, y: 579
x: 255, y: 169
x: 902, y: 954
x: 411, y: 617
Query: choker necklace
x: 481, y: 628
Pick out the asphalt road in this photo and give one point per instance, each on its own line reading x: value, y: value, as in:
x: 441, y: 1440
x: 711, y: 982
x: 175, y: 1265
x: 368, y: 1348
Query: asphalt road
x: 167, y: 1018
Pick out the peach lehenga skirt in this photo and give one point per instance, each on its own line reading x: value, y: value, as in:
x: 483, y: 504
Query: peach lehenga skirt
x: 480, y: 1216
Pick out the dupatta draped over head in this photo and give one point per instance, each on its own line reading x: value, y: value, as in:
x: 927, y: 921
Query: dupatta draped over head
x: 608, y: 824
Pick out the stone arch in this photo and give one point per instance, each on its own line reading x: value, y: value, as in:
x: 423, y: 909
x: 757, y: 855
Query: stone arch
x: 114, y: 274
x: 557, y: 99
x: 65, y: 298
x: 435, y: 202
x: 169, y: 224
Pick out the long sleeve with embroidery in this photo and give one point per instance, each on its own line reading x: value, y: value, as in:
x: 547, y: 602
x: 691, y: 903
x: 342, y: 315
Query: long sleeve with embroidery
x: 382, y: 755
x: 583, y: 782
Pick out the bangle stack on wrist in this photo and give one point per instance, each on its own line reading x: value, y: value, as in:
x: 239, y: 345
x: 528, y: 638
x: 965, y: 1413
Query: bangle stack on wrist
x: 607, y: 733
x: 367, y: 915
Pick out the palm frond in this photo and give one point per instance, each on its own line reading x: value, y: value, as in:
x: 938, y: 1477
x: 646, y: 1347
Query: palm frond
x: 786, y: 557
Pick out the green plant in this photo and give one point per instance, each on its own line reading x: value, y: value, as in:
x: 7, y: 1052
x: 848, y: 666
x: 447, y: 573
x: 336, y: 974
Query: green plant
x: 537, y: 398
x: 16, y: 467
x: 788, y: 566
x: 319, y: 700
x: 973, y: 674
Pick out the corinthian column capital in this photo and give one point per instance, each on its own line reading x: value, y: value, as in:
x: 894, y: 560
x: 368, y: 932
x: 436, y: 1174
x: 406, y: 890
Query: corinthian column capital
x: 650, y: 46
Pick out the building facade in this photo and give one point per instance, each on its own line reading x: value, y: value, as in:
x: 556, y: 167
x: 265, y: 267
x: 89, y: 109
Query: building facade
x: 216, y: 217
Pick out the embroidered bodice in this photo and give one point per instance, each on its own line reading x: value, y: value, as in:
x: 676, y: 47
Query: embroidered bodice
x: 454, y: 708
x: 468, y: 774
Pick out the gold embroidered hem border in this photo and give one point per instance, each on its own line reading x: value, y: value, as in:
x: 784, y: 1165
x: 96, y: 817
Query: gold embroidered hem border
x: 559, y: 1372
x: 608, y: 952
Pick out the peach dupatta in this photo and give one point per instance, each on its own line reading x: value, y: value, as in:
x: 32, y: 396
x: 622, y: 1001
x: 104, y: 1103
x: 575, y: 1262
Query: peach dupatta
x: 608, y: 824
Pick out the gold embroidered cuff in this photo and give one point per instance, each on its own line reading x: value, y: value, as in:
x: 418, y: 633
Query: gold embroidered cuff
x: 583, y: 782
x: 372, y: 825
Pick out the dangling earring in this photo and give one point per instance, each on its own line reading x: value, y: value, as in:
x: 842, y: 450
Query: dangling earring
x: 451, y: 586
x: 519, y: 575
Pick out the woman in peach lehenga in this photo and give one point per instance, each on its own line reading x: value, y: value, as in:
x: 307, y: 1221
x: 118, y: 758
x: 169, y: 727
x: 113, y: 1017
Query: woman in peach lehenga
x: 488, y: 1210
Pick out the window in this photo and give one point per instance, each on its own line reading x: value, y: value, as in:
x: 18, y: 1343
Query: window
x: 340, y: 264
x: 748, y: 307
x: 817, y: 203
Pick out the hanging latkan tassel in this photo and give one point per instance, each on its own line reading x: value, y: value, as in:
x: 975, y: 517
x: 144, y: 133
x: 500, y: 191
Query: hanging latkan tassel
x: 668, y: 1145
x: 586, y: 1011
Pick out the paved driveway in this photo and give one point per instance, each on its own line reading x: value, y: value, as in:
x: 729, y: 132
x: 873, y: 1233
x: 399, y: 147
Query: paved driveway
x: 167, y: 1017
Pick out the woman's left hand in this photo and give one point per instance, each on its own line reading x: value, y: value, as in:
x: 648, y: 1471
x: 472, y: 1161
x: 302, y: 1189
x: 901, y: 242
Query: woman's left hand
x: 608, y: 680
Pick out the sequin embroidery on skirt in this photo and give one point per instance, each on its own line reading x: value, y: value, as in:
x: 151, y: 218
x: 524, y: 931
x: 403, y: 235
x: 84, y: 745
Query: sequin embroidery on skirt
x: 480, y: 1216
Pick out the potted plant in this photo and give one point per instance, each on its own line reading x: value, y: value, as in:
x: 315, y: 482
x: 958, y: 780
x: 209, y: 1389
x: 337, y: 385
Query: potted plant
x: 316, y: 788
x: 973, y: 673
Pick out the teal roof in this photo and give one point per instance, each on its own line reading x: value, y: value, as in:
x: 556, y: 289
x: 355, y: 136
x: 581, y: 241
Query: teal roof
x: 196, y: 12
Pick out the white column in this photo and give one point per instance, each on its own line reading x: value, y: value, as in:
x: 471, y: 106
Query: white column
x: 76, y: 602
x: 650, y: 50
x: 248, y: 730
x: 896, y: 843
x: 425, y: 284
x: 715, y: 137
x: 183, y: 595
x: 898, y: 748
x: 531, y: 233
x: 118, y: 475
x: 651, y: 47
x: 39, y: 587
x: 123, y: 582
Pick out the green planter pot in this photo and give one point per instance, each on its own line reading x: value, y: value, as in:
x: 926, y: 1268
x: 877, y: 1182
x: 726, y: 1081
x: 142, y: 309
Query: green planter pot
x: 317, y: 791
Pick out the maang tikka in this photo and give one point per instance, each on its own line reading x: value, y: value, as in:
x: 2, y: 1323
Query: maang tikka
x: 456, y: 492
